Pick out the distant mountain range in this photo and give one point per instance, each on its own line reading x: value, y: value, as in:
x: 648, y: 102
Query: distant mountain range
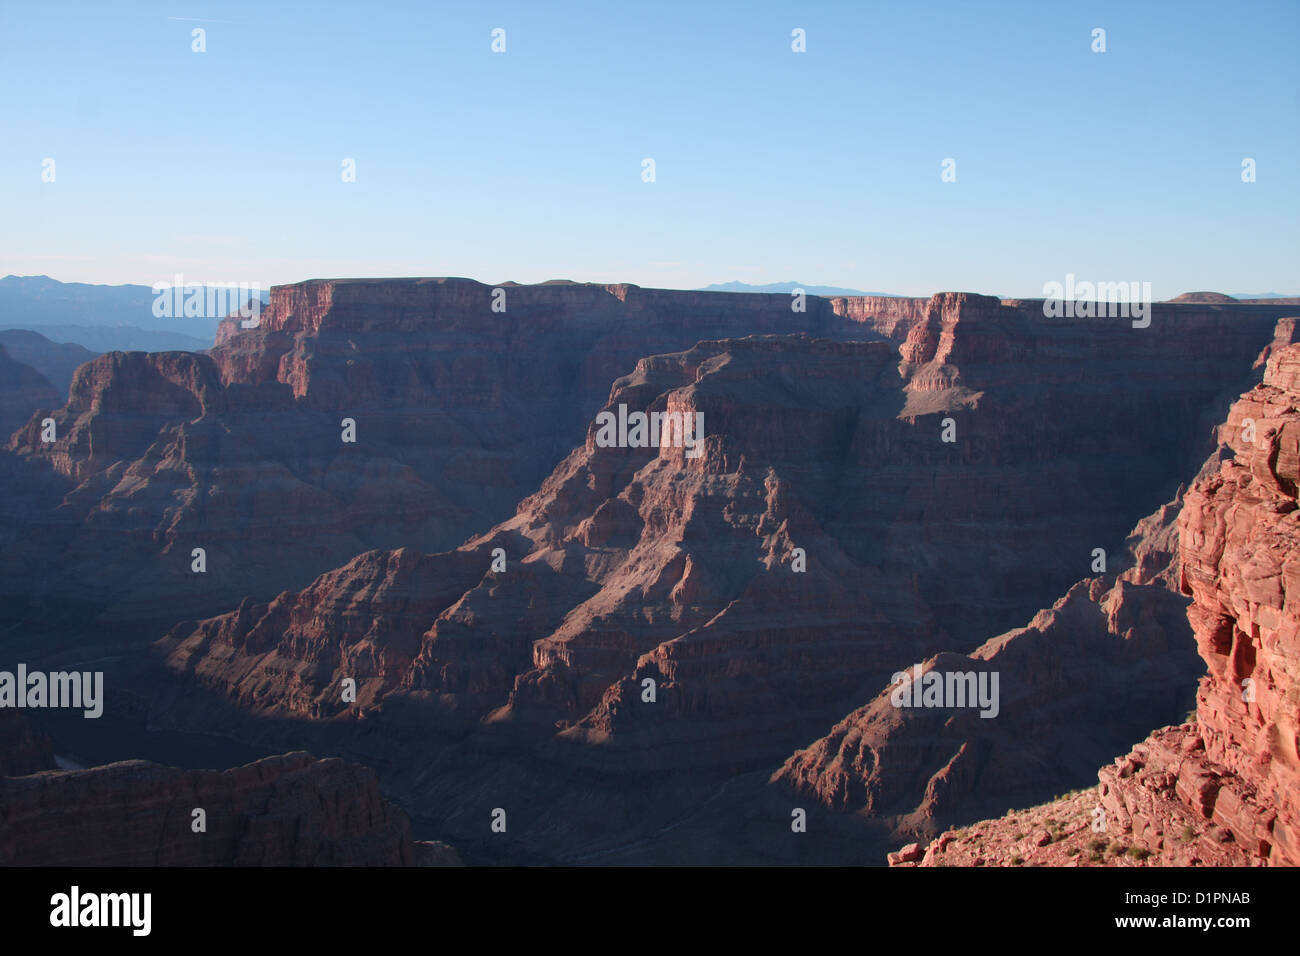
x: 57, y: 362
x: 112, y: 338
x: 102, y: 318
x: 787, y: 287
x: 830, y: 290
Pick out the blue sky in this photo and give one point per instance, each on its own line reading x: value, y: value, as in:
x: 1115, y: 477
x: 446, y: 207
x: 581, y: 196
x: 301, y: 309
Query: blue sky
x: 822, y: 167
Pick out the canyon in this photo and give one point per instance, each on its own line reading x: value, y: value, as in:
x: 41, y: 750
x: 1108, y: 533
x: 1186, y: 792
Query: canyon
x: 641, y: 654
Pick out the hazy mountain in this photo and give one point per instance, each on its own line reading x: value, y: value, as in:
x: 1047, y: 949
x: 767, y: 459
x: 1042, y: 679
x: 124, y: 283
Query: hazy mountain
x: 70, y: 311
x: 22, y: 391
x: 120, y: 338
x: 56, y: 361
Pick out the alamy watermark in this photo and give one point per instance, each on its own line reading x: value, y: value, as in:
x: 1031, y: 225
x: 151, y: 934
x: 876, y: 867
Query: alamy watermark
x: 37, y: 689
x: 1101, y: 300
x: 653, y: 430
x: 75, y: 909
x: 208, y: 300
x: 953, y: 689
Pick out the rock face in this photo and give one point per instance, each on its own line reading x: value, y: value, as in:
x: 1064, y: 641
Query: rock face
x: 1222, y: 790
x: 291, y: 810
x: 1152, y: 808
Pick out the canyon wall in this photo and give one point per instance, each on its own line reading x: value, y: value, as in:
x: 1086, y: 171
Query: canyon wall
x: 291, y: 810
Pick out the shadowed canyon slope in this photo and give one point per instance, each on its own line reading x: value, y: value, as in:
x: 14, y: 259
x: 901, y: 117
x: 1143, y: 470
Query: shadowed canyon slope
x: 1103, y: 664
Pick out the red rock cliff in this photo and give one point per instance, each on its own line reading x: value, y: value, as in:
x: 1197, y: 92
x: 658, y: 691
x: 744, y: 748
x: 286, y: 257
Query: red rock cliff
x: 1240, y: 542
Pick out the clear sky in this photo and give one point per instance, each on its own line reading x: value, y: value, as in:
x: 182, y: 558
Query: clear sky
x: 821, y: 167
